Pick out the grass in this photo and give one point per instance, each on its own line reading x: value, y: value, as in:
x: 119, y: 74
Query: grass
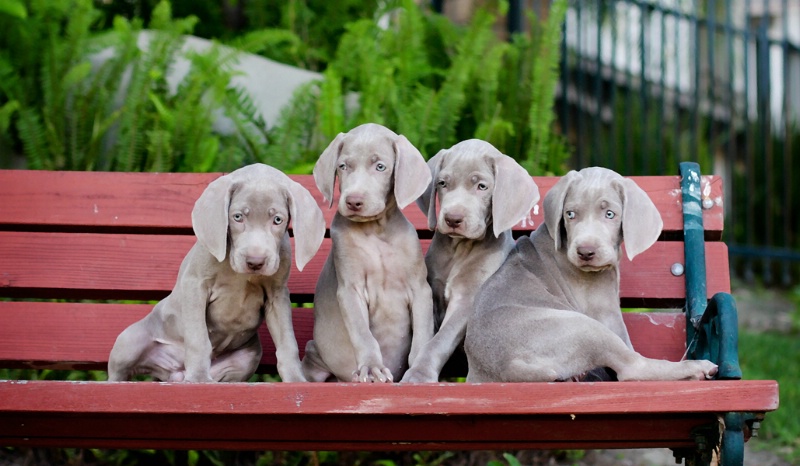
x: 775, y: 356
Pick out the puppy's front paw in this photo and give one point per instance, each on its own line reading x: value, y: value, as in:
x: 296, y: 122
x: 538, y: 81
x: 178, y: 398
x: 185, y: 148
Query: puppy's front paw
x: 702, y: 369
x: 415, y: 375
x: 197, y: 378
x: 368, y: 374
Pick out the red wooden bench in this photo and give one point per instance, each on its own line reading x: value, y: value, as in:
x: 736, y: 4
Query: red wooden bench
x: 115, y: 238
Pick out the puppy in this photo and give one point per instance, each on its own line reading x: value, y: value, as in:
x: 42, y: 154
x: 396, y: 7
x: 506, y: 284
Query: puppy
x: 482, y: 194
x: 372, y: 305
x: 231, y: 280
x: 551, y: 311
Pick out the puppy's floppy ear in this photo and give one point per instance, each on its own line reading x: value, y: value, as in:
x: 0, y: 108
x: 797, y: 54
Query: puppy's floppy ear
x: 427, y: 202
x: 514, y: 193
x: 641, y: 221
x: 554, y: 205
x: 308, y: 223
x: 325, y: 168
x: 411, y: 174
x: 210, y: 216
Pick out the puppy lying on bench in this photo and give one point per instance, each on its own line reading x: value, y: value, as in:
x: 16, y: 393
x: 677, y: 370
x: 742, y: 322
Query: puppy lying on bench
x: 372, y: 305
x: 482, y: 194
x: 551, y: 312
x: 231, y: 279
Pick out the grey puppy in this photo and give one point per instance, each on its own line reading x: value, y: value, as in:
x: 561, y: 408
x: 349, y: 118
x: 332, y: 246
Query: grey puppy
x: 372, y: 305
x: 233, y: 278
x: 481, y: 193
x: 551, y: 312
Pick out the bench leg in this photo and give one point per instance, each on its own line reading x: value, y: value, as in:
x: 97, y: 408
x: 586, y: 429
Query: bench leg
x: 732, y: 450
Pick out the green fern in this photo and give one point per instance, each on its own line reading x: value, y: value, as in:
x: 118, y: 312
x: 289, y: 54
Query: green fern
x: 543, y: 153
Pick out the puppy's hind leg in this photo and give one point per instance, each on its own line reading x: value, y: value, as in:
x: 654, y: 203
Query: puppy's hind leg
x: 642, y: 368
x: 130, y: 348
x: 314, y: 367
x: 239, y: 365
x: 630, y: 365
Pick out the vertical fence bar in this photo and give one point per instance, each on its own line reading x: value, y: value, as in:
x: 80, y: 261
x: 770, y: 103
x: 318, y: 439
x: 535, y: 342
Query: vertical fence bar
x: 564, y: 78
x: 787, y: 147
x: 598, y: 88
x: 515, y: 17
x: 731, y: 145
x: 676, y: 95
x: 644, y: 156
x: 613, y: 94
x: 696, y: 77
x: 662, y: 90
x: 710, y: 119
x: 765, y: 147
x: 579, y: 115
x: 628, y: 91
x: 749, y: 149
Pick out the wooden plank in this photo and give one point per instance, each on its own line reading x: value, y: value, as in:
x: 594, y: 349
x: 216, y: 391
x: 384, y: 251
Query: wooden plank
x: 46, y: 335
x: 121, y: 202
x: 369, y: 416
x: 367, y: 433
x: 108, y: 266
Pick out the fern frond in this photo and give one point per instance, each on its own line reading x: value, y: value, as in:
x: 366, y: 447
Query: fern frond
x: 34, y: 139
x: 544, y: 78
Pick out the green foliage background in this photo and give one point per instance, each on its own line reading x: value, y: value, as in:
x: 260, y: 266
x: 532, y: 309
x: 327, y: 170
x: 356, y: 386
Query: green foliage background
x: 398, y: 65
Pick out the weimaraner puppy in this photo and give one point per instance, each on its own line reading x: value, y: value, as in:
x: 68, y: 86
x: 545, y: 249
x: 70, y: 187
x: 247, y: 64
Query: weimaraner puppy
x: 373, y: 309
x: 481, y: 194
x: 551, y: 312
x: 233, y: 278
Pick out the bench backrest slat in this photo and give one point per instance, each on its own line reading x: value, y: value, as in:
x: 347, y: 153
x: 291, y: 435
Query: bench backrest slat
x: 138, y: 202
x: 144, y: 267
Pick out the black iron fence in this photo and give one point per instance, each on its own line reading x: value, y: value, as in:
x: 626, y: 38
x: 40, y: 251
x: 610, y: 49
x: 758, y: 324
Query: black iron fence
x: 646, y: 84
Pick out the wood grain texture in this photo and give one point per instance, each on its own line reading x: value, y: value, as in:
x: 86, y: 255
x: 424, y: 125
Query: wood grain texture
x: 81, y: 335
x: 369, y: 416
x: 109, y: 266
x: 123, y: 202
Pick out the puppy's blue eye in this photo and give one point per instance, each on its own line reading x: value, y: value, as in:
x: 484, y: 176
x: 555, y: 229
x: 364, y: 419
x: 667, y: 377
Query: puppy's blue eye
x: 441, y: 183
x: 610, y: 214
x: 380, y: 166
x: 570, y: 214
x: 483, y: 186
x: 342, y: 166
x: 238, y: 217
x: 278, y: 220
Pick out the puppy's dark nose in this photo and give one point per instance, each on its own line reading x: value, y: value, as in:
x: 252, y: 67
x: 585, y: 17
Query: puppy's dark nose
x: 586, y: 253
x: 354, y: 202
x: 255, y: 263
x: 453, y: 220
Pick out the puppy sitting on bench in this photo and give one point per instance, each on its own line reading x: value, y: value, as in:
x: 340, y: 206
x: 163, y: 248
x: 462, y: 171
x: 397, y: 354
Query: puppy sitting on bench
x: 372, y: 305
x: 231, y: 280
x: 551, y: 312
x: 481, y: 194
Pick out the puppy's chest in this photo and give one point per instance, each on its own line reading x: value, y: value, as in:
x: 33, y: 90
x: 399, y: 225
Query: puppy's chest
x: 235, y: 307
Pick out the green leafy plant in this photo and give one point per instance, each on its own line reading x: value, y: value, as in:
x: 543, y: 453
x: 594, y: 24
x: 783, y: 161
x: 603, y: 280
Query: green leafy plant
x: 437, y: 84
x: 92, y: 100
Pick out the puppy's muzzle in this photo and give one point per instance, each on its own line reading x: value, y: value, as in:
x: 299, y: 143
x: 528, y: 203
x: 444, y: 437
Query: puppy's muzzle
x: 255, y: 263
x: 453, y: 220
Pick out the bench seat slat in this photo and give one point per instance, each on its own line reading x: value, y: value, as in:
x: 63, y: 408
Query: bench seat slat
x: 87, y: 201
x: 46, y: 335
x: 383, y: 416
x: 109, y: 266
